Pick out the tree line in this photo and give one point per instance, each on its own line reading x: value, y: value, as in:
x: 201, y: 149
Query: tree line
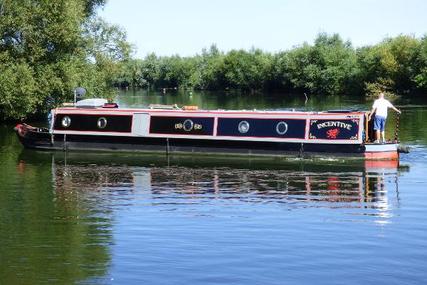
x: 328, y: 66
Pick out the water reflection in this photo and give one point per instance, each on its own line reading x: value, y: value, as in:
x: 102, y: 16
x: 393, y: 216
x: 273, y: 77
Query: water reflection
x: 48, y: 233
x: 332, y: 184
x: 83, y: 198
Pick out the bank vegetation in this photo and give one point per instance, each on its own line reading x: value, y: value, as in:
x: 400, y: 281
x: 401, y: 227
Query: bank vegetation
x: 328, y: 66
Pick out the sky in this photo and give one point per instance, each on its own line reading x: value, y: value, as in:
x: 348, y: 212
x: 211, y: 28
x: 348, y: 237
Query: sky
x: 185, y: 27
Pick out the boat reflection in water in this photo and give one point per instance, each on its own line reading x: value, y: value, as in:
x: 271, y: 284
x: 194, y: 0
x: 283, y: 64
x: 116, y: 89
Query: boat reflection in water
x: 334, y: 184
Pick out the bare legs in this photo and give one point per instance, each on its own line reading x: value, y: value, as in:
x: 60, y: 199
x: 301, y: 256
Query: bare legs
x: 379, y: 136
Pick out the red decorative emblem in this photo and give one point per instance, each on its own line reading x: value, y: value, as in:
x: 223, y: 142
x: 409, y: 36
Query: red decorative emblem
x: 332, y: 133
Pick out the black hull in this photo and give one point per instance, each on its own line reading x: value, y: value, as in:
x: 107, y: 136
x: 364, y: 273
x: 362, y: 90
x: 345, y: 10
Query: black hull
x: 44, y: 141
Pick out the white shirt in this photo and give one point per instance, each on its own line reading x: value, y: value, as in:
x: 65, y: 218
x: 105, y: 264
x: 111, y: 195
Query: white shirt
x: 381, y: 106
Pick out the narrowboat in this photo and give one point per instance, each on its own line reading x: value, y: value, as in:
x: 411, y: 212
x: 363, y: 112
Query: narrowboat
x: 95, y: 125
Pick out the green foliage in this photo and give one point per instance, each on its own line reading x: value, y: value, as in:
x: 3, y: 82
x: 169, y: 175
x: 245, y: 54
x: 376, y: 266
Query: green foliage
x: 247, y: 70
x: 329, y: 66
x: 175, y: 71
x: 208, y: 71
x: 420, y: 77
x: 391, y: 65
x: 16, y: 80
x: 47, y: 48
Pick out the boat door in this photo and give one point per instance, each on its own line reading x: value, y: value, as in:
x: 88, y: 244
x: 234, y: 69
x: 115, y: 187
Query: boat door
x: 140, y: 124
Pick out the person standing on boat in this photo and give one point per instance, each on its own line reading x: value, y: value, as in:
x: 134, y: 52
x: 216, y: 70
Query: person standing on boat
x: 380, y: 108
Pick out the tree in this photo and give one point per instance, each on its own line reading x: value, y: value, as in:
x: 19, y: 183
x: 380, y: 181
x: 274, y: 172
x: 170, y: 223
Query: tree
x: 175, y: 71
x: 327, y: 67
x: 247, y: 70
x: 208, y: 74
x: 50, y: 47
x: 391, y: 64
x: 420, y: 77
x: 151, y: 69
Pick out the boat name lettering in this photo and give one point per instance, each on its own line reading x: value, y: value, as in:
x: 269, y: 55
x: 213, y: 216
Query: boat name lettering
x: 334, y: 124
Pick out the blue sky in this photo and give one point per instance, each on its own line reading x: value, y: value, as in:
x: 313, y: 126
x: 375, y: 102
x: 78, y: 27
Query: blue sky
x: 184, y: 27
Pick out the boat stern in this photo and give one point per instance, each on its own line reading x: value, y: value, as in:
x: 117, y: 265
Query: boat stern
x: 388, y: 151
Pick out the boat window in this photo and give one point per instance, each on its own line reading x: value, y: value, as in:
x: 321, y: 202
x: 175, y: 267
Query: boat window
x: 66, y: 122
x: 243, y: 127
x: 102, y: 122
x: 281, y: 128
x: 188, y: 125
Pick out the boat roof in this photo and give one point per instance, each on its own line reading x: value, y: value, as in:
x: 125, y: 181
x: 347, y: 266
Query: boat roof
x: 217, y: 111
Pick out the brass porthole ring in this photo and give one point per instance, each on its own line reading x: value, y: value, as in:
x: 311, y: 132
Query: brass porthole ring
x: 243, y: 127
x: 188, y: 125
x: 66, y: 121
x: 282, y: 128
x: 102, y: 123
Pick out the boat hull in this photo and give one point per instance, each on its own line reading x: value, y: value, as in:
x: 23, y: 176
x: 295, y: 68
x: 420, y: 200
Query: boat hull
x: 36, y: 139
x: 247, y: 133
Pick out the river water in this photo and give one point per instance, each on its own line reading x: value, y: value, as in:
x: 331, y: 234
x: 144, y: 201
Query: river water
x: 117, y: 218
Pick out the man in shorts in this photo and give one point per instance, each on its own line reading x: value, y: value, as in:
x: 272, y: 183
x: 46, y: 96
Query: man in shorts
x: 380, y: 107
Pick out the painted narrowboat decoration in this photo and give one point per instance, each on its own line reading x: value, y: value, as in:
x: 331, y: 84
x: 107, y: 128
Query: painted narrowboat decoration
x: 93, y: 124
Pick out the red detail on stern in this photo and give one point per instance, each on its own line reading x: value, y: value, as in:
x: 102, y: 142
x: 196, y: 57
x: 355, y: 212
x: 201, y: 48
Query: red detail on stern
x: 385, y: 155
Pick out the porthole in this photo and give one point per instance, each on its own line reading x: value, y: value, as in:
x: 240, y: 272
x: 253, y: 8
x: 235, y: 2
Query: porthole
x: 243, y: 127
x: 102, y: 123
x: 66, y: 122
x: 188, y: 125
x: 281, y: 128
